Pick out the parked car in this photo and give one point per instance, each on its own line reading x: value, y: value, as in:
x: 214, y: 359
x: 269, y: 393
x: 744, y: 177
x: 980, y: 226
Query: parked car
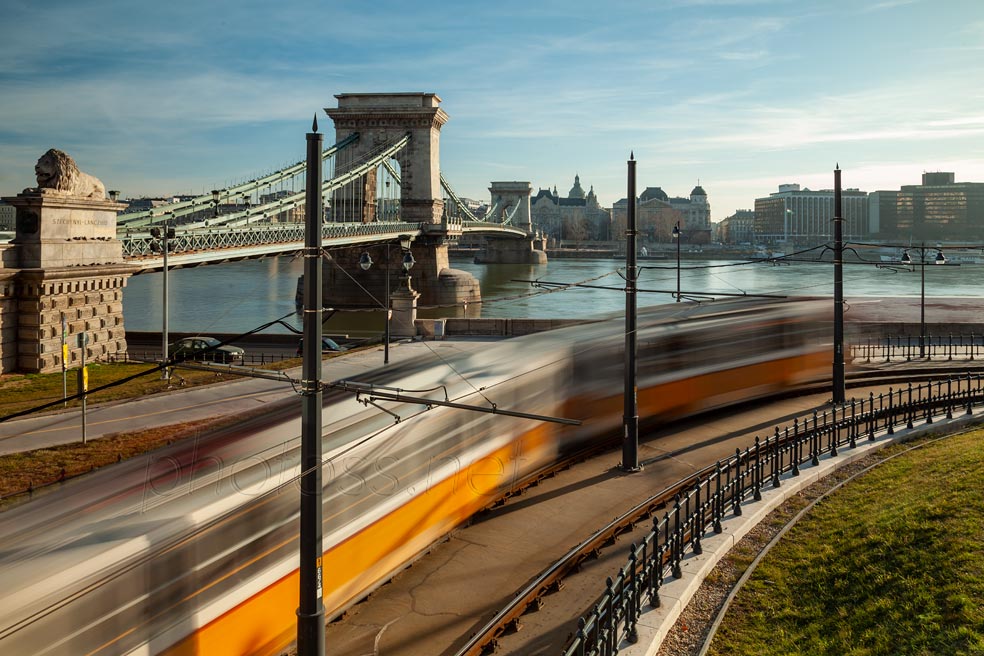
x: 206, y: 349
x: 328, y: 345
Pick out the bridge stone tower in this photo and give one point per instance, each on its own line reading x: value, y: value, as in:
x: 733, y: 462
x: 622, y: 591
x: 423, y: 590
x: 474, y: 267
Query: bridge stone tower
x: 513, y: 200
x: 382, y: 119
x: 63, y: 274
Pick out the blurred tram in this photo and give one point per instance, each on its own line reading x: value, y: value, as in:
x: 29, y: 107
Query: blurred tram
x: 210, y: 566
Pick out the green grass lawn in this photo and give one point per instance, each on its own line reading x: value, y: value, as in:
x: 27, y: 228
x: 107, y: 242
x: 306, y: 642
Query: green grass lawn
x: 893, y: 563
x: 19, y: 392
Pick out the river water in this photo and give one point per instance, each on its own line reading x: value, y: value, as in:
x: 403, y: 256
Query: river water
x: 238, y: 296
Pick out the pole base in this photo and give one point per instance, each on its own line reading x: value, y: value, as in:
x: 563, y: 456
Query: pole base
x: 311, y: 633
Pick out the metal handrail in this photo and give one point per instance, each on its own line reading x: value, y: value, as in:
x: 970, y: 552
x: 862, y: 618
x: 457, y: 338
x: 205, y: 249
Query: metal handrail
x: 887, y: 348
x: 721, y: 490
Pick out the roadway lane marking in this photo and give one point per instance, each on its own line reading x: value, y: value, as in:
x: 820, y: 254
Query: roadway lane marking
x: 78, y: 421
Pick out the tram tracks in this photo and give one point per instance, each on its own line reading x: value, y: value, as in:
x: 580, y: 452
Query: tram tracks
x: 531, y: 597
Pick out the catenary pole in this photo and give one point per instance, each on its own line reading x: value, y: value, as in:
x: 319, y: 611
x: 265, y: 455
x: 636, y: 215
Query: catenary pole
x: 630, y: 442
x: 311, y: 609
x: 838, y: 368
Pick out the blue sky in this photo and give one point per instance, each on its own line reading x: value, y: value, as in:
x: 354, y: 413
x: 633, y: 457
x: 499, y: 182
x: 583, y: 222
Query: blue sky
x: 742, y: 95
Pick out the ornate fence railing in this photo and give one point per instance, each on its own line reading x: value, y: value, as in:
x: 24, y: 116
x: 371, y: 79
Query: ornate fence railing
x: 719, y: 491
x: 908, y: 347
x: 143, y: 244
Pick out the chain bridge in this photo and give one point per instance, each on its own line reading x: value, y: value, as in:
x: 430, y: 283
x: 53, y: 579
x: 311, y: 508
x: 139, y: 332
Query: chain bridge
x: 385, y: 203
x: 363, y: 192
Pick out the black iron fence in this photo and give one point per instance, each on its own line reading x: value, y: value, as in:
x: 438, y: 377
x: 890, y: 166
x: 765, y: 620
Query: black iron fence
x: 912, y: 347
x: 719, y: 491
x: 154, y: 357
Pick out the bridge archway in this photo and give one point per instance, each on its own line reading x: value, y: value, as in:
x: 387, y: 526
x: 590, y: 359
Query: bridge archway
x: 513, y: 199
x: 382, y: 119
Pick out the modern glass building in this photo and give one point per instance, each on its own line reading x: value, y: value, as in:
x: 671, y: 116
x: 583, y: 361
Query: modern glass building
x: 939, y: 209
x: 804, y: 217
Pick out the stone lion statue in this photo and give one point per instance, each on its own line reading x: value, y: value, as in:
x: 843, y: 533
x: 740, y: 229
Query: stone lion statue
x: 57, y: 170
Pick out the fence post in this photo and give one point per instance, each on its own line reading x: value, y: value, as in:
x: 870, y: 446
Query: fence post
x: 911, y: 410
x: 970, y: 397
x: 815, y: 442
x: 697, y: 528
x: 776, y: 459
x: 927, y: 401
x: 738, y: 490
x: 718, y: 504
x: 797, y: 447
x: 891, y: 411
x: 757, y: 473
x: 853, y: 424
x: 606, y: 628
x: 635, y: 605
x: 677, y: 554
x: 581, y: 638
x: 871, y: 416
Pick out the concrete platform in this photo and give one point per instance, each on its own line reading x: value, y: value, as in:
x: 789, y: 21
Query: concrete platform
x: 433, y: 607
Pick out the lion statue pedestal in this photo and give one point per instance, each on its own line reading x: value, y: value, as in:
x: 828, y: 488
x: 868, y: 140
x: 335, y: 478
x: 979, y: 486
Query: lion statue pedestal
x: 67, y: 219
x: 69, y: 273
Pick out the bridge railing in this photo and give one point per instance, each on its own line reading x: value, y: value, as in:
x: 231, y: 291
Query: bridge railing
x: 143, y: 245
x: 704, y: 501
x: 491, y: 227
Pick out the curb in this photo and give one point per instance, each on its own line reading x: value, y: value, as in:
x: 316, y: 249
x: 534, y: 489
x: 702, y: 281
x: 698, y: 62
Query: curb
x: 654, y: 625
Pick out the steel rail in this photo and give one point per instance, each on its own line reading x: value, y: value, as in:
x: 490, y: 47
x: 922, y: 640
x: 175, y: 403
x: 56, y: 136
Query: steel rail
x: 483, y: 641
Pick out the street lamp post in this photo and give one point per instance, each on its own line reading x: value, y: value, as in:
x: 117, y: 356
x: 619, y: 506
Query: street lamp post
x: 365, y: 263
x: 215, y: 203
x: 386, y: 203
x: 678, y: 237
x: 164, y: 235
x: 906, y: 259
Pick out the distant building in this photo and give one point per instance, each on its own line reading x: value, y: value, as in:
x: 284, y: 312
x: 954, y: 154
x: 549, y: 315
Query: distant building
x: 938, y: 209
x: 144, y: 204
x: 578, y: 217
x: 696, y: 215
x: 8, y: 214
x: 739, y: 228
x: 805, y: 217
x: 657, y: 214
x: 294, y: 215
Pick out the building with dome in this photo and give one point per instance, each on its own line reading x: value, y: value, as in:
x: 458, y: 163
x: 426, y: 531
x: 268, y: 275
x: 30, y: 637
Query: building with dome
x: 578, y: 217
x: 657, y: 213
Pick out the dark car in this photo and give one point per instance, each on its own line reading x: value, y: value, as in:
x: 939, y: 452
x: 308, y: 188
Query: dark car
x: 328, y: 345
x: 206, y: 349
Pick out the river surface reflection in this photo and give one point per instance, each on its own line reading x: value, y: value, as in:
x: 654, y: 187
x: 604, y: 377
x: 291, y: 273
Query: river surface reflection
x: 239, y: 296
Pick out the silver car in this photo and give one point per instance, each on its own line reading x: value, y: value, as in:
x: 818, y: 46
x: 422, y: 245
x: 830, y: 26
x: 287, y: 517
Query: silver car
x: 206, y: 349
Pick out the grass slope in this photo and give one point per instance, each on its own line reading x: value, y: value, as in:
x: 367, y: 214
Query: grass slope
x: 891, y: 564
